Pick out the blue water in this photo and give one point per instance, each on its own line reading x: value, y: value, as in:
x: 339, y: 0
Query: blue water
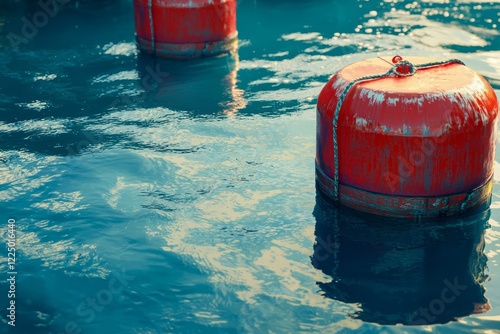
x: 155, y: 196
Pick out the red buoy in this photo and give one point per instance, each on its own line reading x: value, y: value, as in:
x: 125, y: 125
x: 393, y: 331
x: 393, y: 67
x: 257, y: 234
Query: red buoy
x: 413, y: 139
x: 185, y: 28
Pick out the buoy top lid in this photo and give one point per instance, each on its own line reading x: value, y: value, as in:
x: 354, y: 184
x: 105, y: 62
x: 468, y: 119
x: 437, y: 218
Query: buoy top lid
x: 443, y: 78
x: 432, y: 101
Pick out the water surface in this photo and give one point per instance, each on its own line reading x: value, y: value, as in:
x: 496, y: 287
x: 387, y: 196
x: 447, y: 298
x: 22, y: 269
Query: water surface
x: 156, y: 196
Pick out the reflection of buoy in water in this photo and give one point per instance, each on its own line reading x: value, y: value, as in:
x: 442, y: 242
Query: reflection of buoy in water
x: 185, y: 29
x: 418, y: 140
x: 212, y: 81
x: 401, y: 271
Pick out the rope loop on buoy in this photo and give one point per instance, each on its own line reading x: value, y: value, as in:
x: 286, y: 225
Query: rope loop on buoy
x: 400, y: 68
x: 403, y: 68
x: 151, y: 25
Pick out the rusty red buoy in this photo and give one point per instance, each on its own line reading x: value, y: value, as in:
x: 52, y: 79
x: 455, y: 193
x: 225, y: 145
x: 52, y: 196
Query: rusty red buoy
x: 411, y: 139
x: 185, y: 28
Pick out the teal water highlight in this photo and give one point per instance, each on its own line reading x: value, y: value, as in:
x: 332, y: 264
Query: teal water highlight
x: 156, y: 196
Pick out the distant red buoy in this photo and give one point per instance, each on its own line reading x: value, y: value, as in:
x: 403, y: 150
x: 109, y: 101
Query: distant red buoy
x: 416, y: 142
x: 185, y: 28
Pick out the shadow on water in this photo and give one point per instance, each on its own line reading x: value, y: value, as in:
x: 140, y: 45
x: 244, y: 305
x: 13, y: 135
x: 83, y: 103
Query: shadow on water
x: 52, y: 25
x: 31, y: 6
x: 402, y: 272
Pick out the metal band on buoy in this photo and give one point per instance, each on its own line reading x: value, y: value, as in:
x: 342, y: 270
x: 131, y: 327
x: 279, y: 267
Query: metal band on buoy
x: 406, y: 206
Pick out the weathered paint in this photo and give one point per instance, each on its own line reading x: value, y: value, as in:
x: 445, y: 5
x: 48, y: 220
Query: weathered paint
x: 429, y: 135
x: 186, y: 29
